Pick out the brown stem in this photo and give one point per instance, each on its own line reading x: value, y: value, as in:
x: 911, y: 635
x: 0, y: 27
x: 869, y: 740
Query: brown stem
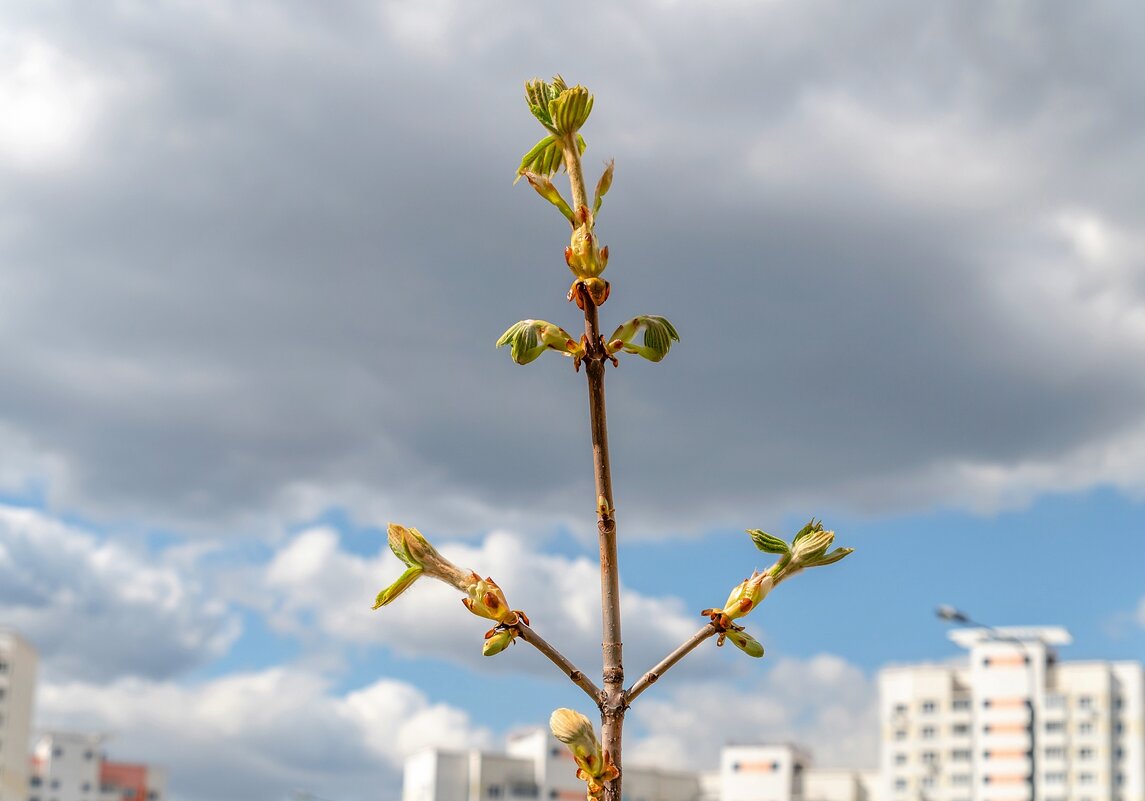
x: 557, y: 658
x: 662, y: 667
x: 613, y: 703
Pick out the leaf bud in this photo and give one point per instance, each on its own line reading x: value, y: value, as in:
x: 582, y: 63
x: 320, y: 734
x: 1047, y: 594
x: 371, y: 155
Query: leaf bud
x: 486, y: 600
x: 745, y: 642
x: 497, y: 640
x: 748, y: 594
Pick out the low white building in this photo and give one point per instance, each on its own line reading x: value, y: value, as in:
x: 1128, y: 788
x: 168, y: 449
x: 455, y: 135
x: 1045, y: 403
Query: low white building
x: 17, y: 690
x: 70, y: 766
x: 536, y: 767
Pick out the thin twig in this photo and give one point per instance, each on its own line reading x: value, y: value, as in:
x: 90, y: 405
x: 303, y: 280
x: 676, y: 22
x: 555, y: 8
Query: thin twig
x: 649, y: 678
x: 557, y: 658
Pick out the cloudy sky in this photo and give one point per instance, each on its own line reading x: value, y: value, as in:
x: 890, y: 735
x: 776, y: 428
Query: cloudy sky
x: 253, y: 260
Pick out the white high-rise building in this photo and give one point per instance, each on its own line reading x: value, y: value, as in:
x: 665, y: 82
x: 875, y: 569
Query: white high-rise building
x: 17, y: 690
x: 1013, y: 723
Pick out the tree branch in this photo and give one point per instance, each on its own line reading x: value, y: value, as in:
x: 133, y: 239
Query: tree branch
x: 649, y: 678
x: 557, y: 658
x: 612, y: 704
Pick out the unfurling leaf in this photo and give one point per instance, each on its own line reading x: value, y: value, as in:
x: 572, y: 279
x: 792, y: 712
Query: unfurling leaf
x: 545, y: 189
x: 569, y: 110
x: 405, y: 580
x: 528, y: 339
x: 810, y: 528
x: 767, y: 542
x: 602, y: 187
x: 659, y: 334
x: 544, y: 159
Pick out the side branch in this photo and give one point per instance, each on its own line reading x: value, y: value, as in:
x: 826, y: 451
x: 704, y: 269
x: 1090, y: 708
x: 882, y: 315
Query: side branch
x: 645, y: 681
x: 557, y: 658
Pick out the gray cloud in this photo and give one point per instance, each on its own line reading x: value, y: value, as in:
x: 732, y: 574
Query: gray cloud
x: 259, y: 268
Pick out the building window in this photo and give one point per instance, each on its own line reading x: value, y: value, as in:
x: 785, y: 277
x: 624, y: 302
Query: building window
x: 900, y: 784
x: 928, y: 782
x: 1085, y: 753
x: 929, y: 757
x: 900, y: 734
x: 960, y: 729
x: 960, y: 755
x: 960, y: 778
x: 88, y: 754
x: 1055, y: 778
x: 1055, y: 725
x: 55, y: 784
x: 35, y: 781
x: 961, y: 704
x: 928, y: 707
x: 1085, y: 702
x: 1085, y: 728
x: 1055, y: 701
x: 928, y: 732
x: 494, y: 791
x: 3, y: 666
x: 900, y: 759
x: 58, y: 751
x: 900, y: 709
x: 1085, y: 778
x: 86, y: 788
x: 1055, y: 752
x: 1118, y: 702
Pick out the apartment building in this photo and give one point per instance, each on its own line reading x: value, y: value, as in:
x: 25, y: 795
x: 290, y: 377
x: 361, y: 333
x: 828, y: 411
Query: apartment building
x: 18, y: 664
x: 1013, y: 723
x: 69, y: 766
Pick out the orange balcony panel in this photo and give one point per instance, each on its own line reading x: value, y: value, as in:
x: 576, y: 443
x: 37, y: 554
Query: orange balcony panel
x: 1006, y: 703
x: 1007, y: 779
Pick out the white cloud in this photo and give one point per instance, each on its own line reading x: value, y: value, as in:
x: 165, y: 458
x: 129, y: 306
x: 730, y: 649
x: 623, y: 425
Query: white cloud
x: 51, y: 104
x: 96, y: 609
x: 316, y: 589
x: 257, y: 736
x: 823, y: 702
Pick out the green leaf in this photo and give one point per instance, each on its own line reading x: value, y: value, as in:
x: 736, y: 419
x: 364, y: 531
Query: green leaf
x: 528, y: 339
x: 602, y: 187
x: 398, y: 587
x: 658, y: 337
x: 569, y: 110
x: 767, y: 542
x: 814, y: 525
x: 831, y: 558
x: 544, y: 159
